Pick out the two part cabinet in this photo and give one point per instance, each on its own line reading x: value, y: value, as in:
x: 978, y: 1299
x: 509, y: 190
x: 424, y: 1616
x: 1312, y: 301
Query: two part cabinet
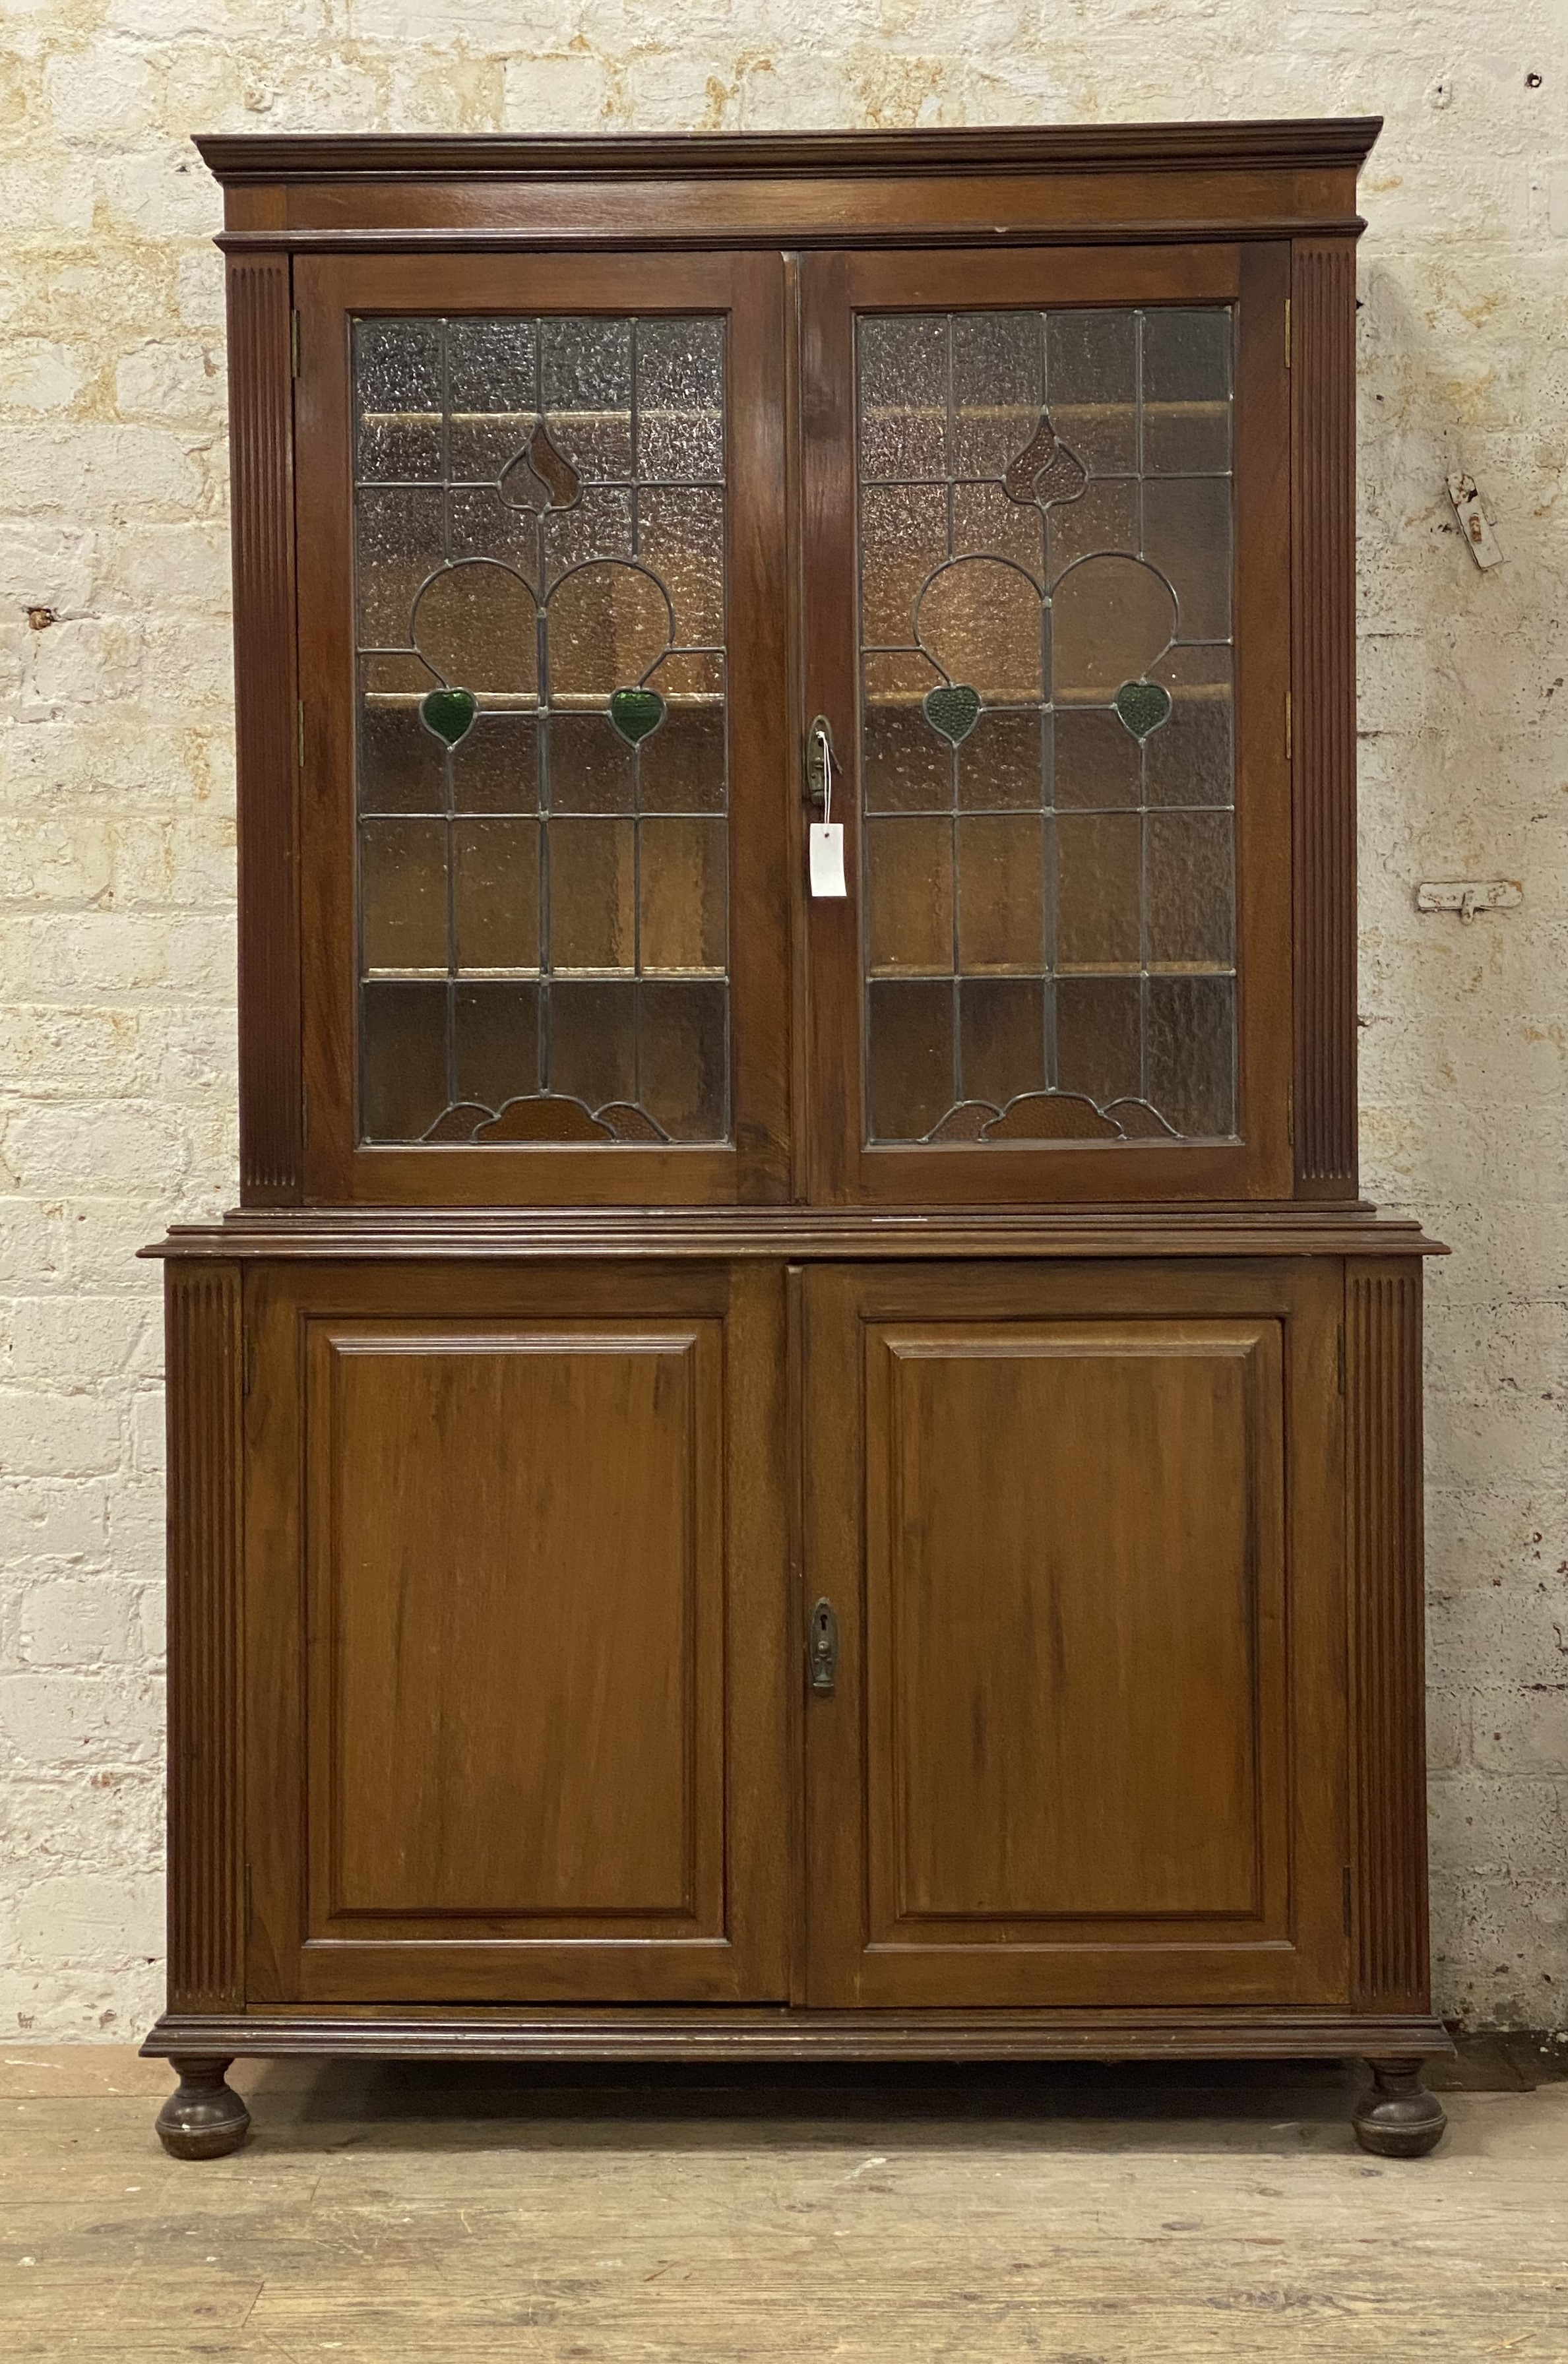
x: 801, y: 1442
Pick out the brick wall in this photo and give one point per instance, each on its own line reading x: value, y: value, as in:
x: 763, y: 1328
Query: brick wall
x: 117, y: 1062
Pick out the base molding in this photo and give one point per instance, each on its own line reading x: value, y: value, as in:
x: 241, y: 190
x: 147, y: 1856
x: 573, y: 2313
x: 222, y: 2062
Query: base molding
x: 743, y: 2033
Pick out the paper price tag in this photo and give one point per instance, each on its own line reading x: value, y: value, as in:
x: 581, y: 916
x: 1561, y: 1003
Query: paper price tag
x: 827, y: 858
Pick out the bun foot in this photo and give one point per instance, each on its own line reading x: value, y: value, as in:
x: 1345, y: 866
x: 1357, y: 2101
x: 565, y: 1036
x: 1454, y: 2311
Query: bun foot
x: 202, y: 2118
x: 1397, y: 2118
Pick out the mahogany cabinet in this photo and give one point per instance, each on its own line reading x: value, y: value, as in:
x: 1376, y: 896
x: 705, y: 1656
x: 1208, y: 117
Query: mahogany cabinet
x: 801, y: 1443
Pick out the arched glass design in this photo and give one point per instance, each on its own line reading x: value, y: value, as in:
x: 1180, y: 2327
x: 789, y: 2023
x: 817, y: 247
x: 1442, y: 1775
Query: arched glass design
x: 1046, y: 570
x: 540, y: 554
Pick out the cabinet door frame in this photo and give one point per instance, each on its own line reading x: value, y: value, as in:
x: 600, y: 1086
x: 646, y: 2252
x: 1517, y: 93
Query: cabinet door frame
x: 746, y: 287
x: 289, y: 1960
x: 836, y: 287
x: 1302, y: 1957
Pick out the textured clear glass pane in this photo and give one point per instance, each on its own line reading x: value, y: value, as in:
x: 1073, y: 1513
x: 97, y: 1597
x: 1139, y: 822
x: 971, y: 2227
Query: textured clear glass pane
x: 586, y: 394
x: 680, y: 400
x: 403, y: 895
x: 1192, y: 1053
x: 1092, y: 387
x: 909, y: 1052
x: 997, y: 389
x: 1003, y: 761
x: 981, y: 620
x: 905, y: 767
x: 397, y: 377
x: 400, y: 768
x: 681, y: 768
x: 495, y: 894
x: 397, y: 544
x: 496, y: 768
x: 1097, y: 761
x: 592, y: 895
x: 903, y: 398
x: 1002, y: 1038
x: 497, y: 1030
x: 1098, y: 865
x: 1099, y: 1026
x: 1002, y: 888
x: 1186, y: 354
x: 1186, y: 534
x: 682, y: 900
x: 1190, y: 762
x: 608, y: 626
x: 1191, y: 891
x: 684, y: 1058
x: 403, y: 1085
x: 1110, y: 618
x: 542, y: 619
x: 1067, y: 740
x: 904, y: 538
x: 592, y: 1043
x: 910, y: 897
x: 592, y: 770
x: 681, y: 536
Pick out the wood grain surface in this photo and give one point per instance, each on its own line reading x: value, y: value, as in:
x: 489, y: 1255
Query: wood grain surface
x: 1146, y: 2217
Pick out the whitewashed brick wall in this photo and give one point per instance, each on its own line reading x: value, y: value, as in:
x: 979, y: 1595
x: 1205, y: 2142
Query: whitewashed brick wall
x: 116, y: 1057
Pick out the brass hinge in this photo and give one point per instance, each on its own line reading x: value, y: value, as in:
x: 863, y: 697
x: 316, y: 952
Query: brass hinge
x: 294, y: 344
x: 1287, y: 333
x: 1345, y: 1894
x: 1289, y: 1118
x: 1290, y: 729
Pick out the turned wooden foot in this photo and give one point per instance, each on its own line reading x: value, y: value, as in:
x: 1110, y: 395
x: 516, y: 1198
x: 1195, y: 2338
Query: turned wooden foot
x: 1397, y: 2118
x: 202, y: 2118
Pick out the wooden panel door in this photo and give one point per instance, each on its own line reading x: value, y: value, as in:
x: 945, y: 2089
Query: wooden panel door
x: 1046, y: 539
x: 515, y: 1605
x: 1079, y: 1529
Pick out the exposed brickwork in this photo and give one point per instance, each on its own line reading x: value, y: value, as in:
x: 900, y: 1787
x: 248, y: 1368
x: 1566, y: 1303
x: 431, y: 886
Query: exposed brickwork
x: 116, y: 1063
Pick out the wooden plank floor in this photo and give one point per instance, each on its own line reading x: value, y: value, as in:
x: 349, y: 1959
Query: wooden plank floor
x: 1088, y: 2216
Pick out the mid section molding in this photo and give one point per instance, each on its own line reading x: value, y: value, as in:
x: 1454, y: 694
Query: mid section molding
x: 401, y: 1235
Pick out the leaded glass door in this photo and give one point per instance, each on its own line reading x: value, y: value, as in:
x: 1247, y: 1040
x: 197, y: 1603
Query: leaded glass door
x: 1046, y: 553
x: 546, y: 887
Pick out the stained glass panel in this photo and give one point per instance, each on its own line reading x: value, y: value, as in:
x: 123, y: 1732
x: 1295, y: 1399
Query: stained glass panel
x: 1045, y: 584
x: 542, y: 748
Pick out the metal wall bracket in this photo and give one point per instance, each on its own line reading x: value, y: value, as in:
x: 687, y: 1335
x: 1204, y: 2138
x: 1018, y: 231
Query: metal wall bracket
x: 1468, y: 895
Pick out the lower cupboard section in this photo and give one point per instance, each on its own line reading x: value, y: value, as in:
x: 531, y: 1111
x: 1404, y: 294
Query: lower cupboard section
x: 955, y: 1658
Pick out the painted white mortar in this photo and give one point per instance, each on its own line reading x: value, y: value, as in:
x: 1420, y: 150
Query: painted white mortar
x: 116, y: 1049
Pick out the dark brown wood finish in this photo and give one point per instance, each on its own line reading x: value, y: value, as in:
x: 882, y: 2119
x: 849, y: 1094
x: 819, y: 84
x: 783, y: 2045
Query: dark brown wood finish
x: 749, y: 291
x: 1323, y: 607
x: 836, y: 288
x: 1224, y: 2031
x: 497, y: 1519
x: 518, y: 1618
x: 261, y: 405
x: 1078, y: 1529
x: 1387, y: 1608
x: 204, y: 1356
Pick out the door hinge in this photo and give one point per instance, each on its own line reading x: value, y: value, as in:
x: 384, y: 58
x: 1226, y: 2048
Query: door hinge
x: 294, y: 344
x: 300, y: 725
x: 250, y: 1907
x: 1287, y: 332
x: 1340, y: 1344
x: 1344, y: 1898
x: 305, y: 1115
x: 1290, y: 729
x: 247, y: 1362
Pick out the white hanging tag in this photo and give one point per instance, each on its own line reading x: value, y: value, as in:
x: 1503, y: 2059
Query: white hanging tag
x: 827, y: 858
